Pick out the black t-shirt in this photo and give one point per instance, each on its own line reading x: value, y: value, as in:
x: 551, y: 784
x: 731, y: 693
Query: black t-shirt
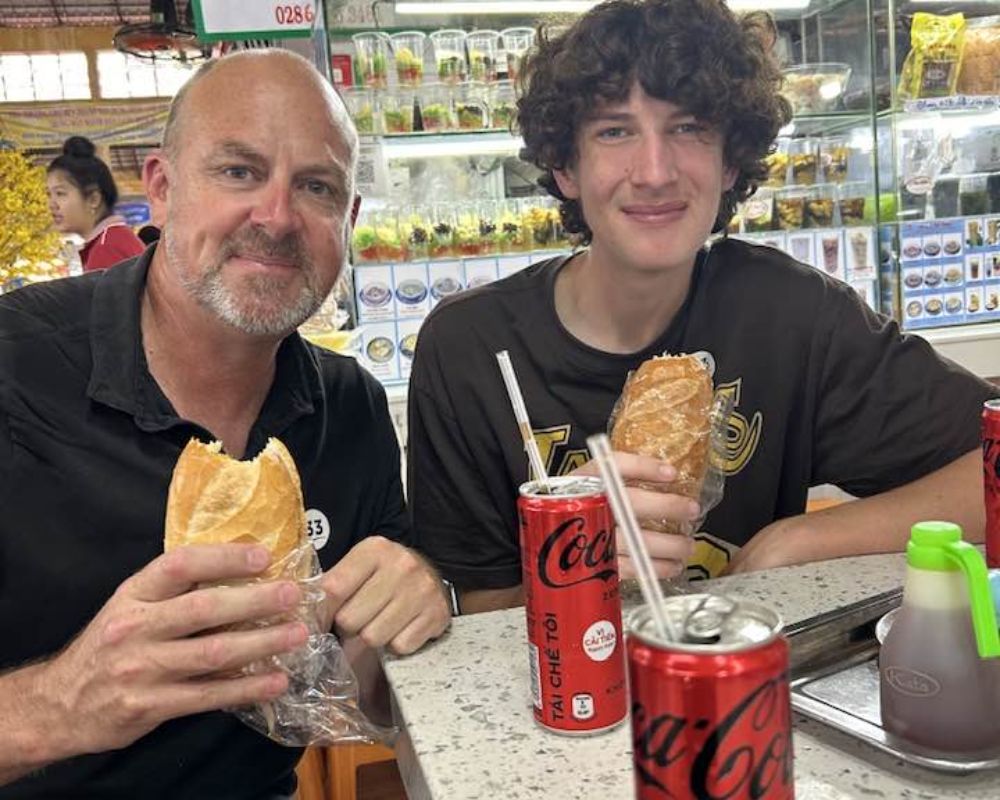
x: 825, y: 391
x: 88, y: 443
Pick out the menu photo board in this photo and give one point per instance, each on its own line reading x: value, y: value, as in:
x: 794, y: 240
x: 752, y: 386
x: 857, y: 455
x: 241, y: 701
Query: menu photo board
x: 392, y: 300
x: 847, y: 254
x: 950, y: 271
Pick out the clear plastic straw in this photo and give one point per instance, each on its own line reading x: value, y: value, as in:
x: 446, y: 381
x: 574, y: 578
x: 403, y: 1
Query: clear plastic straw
x: 600, y: 449
x: 521, y: 415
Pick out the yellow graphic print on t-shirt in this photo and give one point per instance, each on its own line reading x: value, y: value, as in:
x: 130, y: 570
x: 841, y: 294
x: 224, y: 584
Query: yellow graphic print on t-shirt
x: 742, y: 435
x: 550, y: 441
x: 711, y: 555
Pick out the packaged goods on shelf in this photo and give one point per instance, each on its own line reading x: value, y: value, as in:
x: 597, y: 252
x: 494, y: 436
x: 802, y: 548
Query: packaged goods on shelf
x: 502, y: 106
x: 397, y: 112
x: 777, y: 167
x: 449, y: 55
x: 803, y: 156
x: 484, y: 55
x: 408, y: 53
x: 834, y: 153
x: 979, y: 73
x: 448, y: 230
x: 851, y: 203
x: 436, y: 108
x: 372, y: 62
x: 471, y: 110
x: 932, y: 65
x: 360, y: 103
x: 815, y: 88
x: 516, y: 43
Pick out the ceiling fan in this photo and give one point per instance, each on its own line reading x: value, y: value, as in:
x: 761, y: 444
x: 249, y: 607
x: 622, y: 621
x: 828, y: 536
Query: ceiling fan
x: 164, y: 38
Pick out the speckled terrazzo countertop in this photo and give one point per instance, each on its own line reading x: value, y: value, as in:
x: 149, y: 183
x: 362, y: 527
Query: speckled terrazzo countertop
x: 465, y: 706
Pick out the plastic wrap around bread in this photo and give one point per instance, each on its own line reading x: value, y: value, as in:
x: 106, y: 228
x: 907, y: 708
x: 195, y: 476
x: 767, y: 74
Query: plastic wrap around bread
x: 216, y: 499
x: 669, y: 410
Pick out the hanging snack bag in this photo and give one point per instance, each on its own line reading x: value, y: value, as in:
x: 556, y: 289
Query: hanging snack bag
x: 931, y: 66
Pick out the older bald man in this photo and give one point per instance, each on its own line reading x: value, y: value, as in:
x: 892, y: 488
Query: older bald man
x: 117, y: 663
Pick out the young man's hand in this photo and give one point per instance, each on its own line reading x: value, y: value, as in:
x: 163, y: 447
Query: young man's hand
x: 783, y: 543
x: 669, y: 552
x: 386, y: 594
x: 158, y: 649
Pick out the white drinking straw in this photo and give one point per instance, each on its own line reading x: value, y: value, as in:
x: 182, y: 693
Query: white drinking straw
x: 521, y: 415
x: 600, y: 449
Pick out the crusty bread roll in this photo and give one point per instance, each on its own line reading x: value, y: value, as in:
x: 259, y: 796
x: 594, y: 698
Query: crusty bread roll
x: 665, y: 412
x: 214, y: 499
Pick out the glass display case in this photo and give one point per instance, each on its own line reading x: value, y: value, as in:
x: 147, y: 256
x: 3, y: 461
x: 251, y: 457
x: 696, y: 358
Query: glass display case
x: 819, y: 201
x: 448, y: 205
x: 940, y: 165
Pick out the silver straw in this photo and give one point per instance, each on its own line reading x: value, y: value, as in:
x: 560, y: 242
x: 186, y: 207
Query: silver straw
x: 521, y: 415
x: 600, y: 449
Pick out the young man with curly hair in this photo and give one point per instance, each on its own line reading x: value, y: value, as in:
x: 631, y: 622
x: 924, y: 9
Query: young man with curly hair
x: 650, y: 120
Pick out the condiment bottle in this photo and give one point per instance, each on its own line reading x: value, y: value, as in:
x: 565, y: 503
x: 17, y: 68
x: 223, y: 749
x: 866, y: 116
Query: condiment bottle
x: 939, y: 668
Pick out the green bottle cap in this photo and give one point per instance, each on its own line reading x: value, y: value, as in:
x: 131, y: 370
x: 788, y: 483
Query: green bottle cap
x: 938, y: 547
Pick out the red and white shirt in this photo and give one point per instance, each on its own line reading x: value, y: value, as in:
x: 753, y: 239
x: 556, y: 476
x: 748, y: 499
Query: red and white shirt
x: 110, y: 242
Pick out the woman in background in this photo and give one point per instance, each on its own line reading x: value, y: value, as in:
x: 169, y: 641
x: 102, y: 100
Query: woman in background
x: 82, y: 194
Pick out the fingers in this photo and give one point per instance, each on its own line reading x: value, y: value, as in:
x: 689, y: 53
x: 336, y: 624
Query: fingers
x: 205, y: 609
x: 230, y: 650
x: 362, y: 607
x: 199, y: 610
x: 180, y: 570
x: 362, y: 561
x: 664, y: 570
x: 414, y: 635
x: 195, y: 697
x: 403, y: 625
x: 385, y: 593
x: 658, y: 505
x: 382, y: 627
x: 668, y: 554
x: 635, y: 468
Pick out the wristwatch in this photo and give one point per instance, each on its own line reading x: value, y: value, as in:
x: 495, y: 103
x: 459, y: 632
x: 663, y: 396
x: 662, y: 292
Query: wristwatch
x: 452, y: 594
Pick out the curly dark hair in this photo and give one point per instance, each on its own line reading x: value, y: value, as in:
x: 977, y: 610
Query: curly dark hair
x: 695, y: 53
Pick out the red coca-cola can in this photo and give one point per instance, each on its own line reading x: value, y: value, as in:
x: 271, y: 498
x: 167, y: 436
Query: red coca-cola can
x: 991, y: 480
x: 570, y: 570
x: 711, y: 714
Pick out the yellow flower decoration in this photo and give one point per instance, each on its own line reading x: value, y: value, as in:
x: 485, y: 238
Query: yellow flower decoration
x: 28, y: 243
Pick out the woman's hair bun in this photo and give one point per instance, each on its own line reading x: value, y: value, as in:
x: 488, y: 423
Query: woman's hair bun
x: 79, y: 147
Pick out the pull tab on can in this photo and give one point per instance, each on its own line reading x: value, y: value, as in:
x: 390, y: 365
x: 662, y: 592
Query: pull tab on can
x: 704, y: 623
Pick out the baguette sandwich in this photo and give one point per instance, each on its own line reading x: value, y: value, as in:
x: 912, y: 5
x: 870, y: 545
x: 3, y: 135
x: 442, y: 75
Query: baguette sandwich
x: 215, y: 499
x: 665, y: 412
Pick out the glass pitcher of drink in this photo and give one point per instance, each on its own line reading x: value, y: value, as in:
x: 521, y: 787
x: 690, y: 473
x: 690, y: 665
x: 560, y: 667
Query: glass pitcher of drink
x: 939, y: 667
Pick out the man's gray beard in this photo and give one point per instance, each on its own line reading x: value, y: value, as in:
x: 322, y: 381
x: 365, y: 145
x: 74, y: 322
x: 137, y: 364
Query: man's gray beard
x: 251, y: 316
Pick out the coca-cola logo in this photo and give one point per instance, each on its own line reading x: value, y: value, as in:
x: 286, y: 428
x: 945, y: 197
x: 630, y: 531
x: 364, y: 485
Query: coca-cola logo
x: 746, y: 752
x: 572, y: 555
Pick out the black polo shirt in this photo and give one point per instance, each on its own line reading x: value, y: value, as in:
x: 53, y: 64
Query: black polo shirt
x: 88, y: 443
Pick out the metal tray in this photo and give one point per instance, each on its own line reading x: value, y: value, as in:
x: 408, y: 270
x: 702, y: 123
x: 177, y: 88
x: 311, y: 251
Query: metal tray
x: 835, y: 680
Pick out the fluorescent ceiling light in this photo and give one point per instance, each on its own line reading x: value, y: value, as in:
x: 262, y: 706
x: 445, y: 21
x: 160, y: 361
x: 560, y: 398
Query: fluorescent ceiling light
x: 770, y: 5
x: 532, y: 7
x: 473, y: 145
x: 495, y: 6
